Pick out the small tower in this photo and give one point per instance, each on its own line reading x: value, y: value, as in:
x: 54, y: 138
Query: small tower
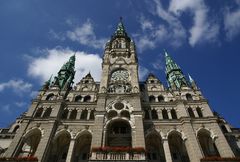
x: 192, y: 82
x: 175, y: 77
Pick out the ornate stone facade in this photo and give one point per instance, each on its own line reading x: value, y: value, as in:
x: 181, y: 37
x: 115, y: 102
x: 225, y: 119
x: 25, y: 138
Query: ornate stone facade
x: 120, y: 118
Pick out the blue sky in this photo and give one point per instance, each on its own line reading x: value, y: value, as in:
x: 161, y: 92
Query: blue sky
x: 38, y: 36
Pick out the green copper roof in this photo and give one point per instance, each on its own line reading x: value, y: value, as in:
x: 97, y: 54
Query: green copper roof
x: 120, y: 29
x: 175, y: 77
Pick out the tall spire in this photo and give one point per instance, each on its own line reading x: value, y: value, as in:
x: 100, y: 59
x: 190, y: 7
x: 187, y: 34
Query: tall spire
x: 120, y: 31
x: 192, y: 82
x: 66, y: 74
x: 175, y: 77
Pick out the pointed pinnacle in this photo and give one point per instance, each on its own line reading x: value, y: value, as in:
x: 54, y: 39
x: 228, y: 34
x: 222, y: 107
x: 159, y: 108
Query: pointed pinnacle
x: 190, y: 78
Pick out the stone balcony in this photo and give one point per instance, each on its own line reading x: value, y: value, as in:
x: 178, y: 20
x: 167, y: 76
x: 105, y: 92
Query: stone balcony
x: 121, y: 156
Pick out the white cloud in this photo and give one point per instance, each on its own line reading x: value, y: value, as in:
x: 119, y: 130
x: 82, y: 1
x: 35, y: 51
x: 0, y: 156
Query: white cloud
x: 231, y: 22
x: 143, y: 72
x: 52, y: 59
x: 85, y: 35
x: 203, y: 29
x: 18, y: 86
x: 145, y: 43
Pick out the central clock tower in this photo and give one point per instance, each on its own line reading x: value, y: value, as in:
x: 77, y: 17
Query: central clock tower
x: 119, y: 116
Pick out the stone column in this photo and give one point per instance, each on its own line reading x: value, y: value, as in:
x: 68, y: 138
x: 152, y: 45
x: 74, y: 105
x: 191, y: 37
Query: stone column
x: 191, y: 143
x: 69, y: 113
x: 88, y: 115
x: 169, y: 114
x: 44, y: 109
x: 78, y: 114
x: 150, y: 114
x: 159, y: 114
x: 221, y: 143
x: 195, y: 113
x: 167, y: 151
x: 70, y: 150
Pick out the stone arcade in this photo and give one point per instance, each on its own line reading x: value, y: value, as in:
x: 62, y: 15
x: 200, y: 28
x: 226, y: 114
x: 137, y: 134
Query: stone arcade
x: 120, y: 118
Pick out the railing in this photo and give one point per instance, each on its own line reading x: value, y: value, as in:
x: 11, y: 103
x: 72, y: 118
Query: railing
x: 117, y: 156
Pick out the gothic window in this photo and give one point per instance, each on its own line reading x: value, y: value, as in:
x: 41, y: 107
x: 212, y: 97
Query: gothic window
x: 78, y: 98
x: 199, y: 111
x: 81, y: 151
x: 177, y: 147
x: 39, y: 112
x: 224, y: 129
x: 190, y: 112
x: 189, y: 97
x: 173, y: 114
x: 47, y: 112
x: 118, y: 134
x: 84, y: 115
x: 125, y: 114
x: 59, y: 148
x: 50, y: 97
x: 154, y: 114
x: 15, y: 129
x: 65, y: 114
x: 112, y: 114
x: 151, y: 98
x: 207, y: 144
x: 146, y: 116
x: 165, y: 114
x: 30, y: 143
x: 73, y: 114
x: 87, y: 98
x: 92, y: 115
x: 160, y: 98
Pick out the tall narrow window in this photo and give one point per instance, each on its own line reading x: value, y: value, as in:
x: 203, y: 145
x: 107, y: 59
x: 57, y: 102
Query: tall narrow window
x: 47, y: 112
x: 190, y: 112
x: 151, y: 99
x: 39, y: 112
x: 87, y: 98
x: 165, y: 114
x: 189, y: 97
x: 73, y: 114
x: 146, y: 116
x: 84, y: 115
x: 154, y: 114
x: 199, y: 111
x: 160, y: 98
x: 173, y: 114
x: 65, y: 114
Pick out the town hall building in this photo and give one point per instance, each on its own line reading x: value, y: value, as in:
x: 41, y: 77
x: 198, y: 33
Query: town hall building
x: 120, y: 118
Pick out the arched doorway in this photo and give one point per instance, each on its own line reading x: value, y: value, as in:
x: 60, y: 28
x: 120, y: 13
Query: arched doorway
x: 154, y: 148
x: 82, y: 148
x: 177, y: 147
x: 207, y: 144
x: 59, y: 147
x: 30, y: 143
x: 118, y: 134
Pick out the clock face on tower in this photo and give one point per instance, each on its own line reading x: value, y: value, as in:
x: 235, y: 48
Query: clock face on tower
x: 120, y: 75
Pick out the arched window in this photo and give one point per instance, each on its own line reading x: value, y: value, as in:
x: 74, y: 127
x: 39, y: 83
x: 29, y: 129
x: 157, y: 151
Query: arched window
x: 73, y: 114
x: 177, y: 147
x: 87, y: 98
x: 39, y: 112
x: 15, y: 129
x: 84, y: 115
x: 151, y: 99
x: 207, y: 144
x: 146, y: 115
x: 154, y: 114
x: 224, y: 129
x: 160, y: 98
x: 189, y: 97
x: 165, y: 114
x: 111, y: 114
x: 50, y: 96
x: 173, y: 114
x: 78, y: 98
x: 29, y: 144
x: 119, y: 134
x: 59, y: 147
x: 92, y: 115
x: 65, y: 114
x: 190, y: 112
x: 47, y: 112
x: 125, y: 114
x: 199, y: 111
